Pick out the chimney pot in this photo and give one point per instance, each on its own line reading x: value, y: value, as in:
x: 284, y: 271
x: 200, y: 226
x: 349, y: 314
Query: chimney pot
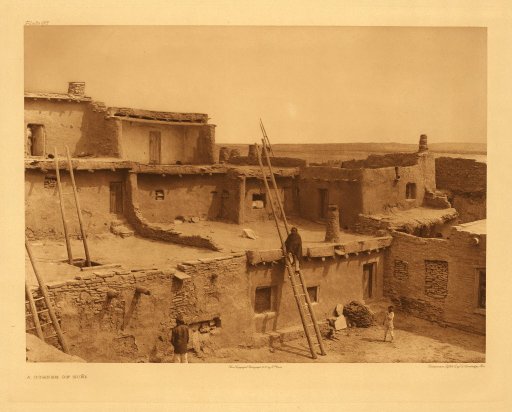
x: 76, y: 88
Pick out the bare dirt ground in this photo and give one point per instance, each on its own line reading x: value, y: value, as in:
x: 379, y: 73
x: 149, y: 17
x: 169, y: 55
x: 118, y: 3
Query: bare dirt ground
x: 416, y: 341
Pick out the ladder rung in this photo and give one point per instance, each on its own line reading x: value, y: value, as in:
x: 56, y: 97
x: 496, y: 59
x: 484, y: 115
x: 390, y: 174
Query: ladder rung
x: 41, y: 311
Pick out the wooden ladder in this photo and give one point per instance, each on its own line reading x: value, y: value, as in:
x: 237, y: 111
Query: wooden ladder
x: 41, y: 315
x: 78, y: 209
x: 297, y: 280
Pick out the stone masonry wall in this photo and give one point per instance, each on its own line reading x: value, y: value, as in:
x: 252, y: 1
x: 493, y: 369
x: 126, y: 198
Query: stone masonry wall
x: 436, y: 279
x: 211, y: 294
x: 126, y: 327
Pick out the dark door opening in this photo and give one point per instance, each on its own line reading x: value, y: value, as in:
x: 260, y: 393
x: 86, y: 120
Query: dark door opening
x: 368, y: 280
x: 155, y: 144
x: 323, y: 202
x: 116, y: 197
x: 35, y: 139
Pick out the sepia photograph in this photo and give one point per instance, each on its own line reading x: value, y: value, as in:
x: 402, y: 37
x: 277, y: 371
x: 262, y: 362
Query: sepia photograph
x: 255, y: 194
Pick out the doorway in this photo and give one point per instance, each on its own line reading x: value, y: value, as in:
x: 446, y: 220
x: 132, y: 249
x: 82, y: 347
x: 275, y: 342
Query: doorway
x: 323, y: 202
x: 155, y: 142
x: 35, y: 139
x: 368, y: 280
x: 116, y: 197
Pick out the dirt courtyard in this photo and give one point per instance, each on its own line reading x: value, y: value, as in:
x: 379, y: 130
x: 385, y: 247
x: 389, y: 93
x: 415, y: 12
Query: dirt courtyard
x: 416, y: 341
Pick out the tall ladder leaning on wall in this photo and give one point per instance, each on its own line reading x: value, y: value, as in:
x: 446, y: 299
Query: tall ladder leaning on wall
x: 78, y: 209
x: 297, y: 280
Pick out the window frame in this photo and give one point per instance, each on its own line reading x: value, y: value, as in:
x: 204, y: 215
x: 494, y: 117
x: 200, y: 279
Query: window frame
x: 271, y: 303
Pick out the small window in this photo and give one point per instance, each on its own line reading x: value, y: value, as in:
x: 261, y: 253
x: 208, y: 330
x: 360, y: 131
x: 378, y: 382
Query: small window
x: 50, y: 182
x: 263, y: 300
x: 313, y: 293
x: 481, y: 288
x: 259, y: 200
x: 410, y: 191
x: 159, y: 195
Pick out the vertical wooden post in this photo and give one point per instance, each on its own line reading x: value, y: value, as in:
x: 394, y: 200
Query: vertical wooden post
x: 78, y: 210
x: 44, y: 292
x: 62, y: 210
x: 33, y: 310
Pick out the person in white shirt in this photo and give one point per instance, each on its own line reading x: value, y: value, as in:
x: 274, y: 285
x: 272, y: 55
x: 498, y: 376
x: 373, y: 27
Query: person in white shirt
x: 388, y: 324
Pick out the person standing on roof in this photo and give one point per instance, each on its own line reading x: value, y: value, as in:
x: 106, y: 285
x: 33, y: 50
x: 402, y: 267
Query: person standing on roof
x: 179, y: 339
x: 293, y: 246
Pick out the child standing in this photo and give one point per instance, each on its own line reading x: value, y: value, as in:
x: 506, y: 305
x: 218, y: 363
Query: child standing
x: 388, y: 324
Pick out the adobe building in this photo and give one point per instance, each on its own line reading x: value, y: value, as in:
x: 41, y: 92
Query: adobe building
x: 154, y: 177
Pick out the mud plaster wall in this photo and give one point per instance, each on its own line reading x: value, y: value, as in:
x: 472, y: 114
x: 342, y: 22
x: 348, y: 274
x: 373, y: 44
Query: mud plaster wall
x: 344, y: 190
x: 339, y: 281
x: 94, y: 323
x: 73, y: 124
x: 409, y: 272
x: 380, y: 190
x: 178, y: 143
x: 257, y: 186
x: 42, y: 210
x: 465, y: 181
x: 143, y: 227
x: 189, y: 195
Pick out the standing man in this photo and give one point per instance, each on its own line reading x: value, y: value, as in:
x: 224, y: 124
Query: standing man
x: 388, y: 324
x: 179, y: 339
x: 293, y: 246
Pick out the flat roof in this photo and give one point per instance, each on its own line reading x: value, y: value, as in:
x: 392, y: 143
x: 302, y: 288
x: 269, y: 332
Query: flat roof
x: 478, y: 227
x: 57, y: 96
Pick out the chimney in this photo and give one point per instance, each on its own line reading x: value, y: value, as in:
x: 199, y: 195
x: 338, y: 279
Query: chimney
x: 332, y: 231
x: 224, y: 154
x: 423, y: 143
x: 76, y: 89
x: 253, y: 151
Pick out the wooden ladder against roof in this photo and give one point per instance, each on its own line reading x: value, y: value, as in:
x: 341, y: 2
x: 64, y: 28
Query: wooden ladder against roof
x: 78, y: 209
x: 41, y: 316
x: 297, y: 281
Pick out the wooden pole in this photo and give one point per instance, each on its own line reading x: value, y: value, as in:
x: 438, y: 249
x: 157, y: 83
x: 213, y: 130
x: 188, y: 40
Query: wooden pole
x: 286, y: 260
x: 62, y: 210
x: 265, y: 137
x: 280, y: 204
x: 44, y: 292
x: 78, y: 210
x: 33, y: 310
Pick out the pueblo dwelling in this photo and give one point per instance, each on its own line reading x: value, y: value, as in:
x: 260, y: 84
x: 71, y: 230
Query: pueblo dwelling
x: 409, y: 229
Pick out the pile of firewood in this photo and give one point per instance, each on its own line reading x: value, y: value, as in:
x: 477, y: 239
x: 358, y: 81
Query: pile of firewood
x: 358, y: 315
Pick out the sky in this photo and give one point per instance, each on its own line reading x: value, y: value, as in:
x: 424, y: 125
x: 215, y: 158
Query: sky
x: 308, y: 84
